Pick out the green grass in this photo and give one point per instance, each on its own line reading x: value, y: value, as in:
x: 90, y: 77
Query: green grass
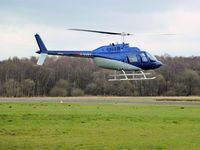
x: 98, y: 126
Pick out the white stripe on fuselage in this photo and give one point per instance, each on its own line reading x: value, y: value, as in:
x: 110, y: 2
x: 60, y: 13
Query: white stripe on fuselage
x: 114, y: 64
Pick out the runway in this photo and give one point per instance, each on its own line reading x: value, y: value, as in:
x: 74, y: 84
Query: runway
x: 144, y: 101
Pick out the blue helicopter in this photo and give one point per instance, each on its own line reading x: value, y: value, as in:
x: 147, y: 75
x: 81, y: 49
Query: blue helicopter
x: 118, y: 57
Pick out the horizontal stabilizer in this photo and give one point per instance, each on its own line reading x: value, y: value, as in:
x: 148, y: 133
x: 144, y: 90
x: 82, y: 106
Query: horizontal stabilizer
x: 41, y: 59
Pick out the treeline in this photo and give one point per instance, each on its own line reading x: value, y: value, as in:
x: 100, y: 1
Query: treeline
x: 67, y: 76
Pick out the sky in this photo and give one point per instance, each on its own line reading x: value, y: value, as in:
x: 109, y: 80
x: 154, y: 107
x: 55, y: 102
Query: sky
x: 20, y: 20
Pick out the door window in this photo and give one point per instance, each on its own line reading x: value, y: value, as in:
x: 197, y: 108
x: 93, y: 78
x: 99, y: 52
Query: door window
x: 132, y: 58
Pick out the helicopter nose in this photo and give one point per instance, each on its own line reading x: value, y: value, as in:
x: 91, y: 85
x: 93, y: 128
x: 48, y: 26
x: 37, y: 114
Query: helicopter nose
x: 158, y: 64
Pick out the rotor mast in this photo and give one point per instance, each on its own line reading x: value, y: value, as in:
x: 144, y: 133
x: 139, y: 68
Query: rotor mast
x: 123, y: 34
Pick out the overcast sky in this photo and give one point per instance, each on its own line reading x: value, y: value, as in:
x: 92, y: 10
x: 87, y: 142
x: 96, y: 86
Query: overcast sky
x: 21, y: 19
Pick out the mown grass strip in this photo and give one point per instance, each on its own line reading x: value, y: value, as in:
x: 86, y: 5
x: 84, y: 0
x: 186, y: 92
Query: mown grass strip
x: 98, y: 126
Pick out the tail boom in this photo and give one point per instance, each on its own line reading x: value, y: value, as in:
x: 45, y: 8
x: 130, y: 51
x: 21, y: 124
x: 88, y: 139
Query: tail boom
x: 44, y: 52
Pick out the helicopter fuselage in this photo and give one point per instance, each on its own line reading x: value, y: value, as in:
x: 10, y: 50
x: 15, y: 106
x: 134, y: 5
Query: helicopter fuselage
x: 116, y: 57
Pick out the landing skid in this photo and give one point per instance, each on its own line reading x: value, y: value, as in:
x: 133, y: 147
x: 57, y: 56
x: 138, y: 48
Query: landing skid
x: 130, y: 76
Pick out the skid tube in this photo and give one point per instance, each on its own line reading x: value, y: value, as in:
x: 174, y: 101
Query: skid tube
x: 130, y: 76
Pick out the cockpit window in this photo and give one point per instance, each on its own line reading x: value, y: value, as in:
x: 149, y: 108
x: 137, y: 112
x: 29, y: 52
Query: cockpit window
x: 151, y: 57
x: 143, y: 57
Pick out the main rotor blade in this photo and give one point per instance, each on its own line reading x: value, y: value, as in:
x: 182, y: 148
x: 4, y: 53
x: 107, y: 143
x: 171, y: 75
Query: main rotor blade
x: 103, y: 32
x: 154, y: 34
x: 167, y: 34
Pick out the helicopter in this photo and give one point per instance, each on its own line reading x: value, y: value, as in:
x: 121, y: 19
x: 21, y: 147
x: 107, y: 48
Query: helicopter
x: 118, y: 57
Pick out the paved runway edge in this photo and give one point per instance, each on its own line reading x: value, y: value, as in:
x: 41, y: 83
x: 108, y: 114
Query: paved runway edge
x: 98, y: 101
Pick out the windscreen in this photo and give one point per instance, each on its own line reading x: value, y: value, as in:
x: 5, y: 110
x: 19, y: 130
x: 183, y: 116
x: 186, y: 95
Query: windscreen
x: 151, y: 57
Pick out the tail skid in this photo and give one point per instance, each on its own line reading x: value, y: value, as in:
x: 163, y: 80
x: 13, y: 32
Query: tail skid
x: 41, y: 59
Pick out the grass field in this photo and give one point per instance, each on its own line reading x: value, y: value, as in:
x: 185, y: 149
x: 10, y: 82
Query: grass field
x: 98, y: 126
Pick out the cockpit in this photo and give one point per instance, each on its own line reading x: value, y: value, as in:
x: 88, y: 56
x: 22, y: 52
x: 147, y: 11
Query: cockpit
x: 151, y: 60
x: 145, y: 59
x: 145, y: 56
x: 151, y: 57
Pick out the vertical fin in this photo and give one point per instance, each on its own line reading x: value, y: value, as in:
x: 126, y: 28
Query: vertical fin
x: 43, y: 50
x: 40, y: 43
